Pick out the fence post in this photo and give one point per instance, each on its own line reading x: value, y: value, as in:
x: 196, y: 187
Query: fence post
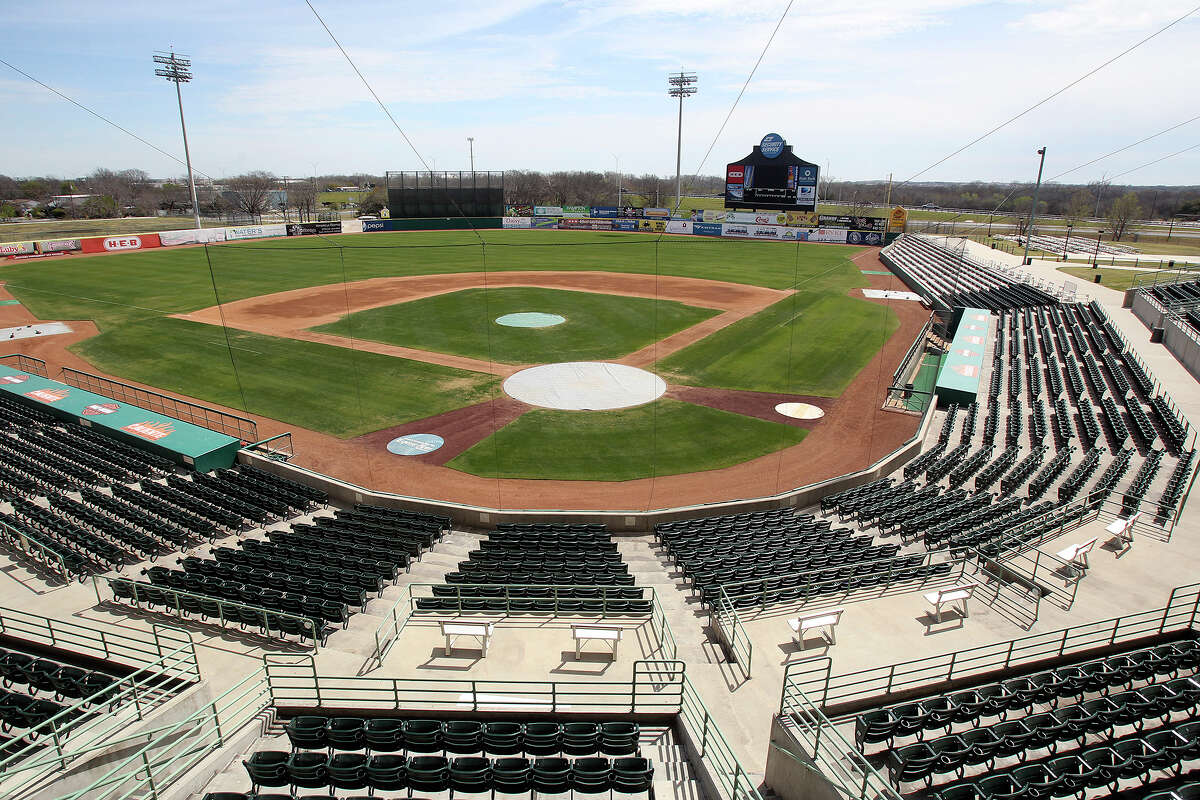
x: 149, y: 776
x: 704, y: 735
x: 217, y: 725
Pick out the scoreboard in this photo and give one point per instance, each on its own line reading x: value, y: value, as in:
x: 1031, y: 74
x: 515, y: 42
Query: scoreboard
x: 772, y: 177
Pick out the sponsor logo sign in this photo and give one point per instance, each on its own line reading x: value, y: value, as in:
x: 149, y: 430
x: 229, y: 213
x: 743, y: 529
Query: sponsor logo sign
x: 59, y: 245
x: 576, y: 211
x: 585, y: 224
x: 715, y: 215
x: 764, y: 231
x: 256, y: 231
x: 771, y: 145
x: 734, y: 229
x: 518, y: 211
x: 679, y: 226
x: 801, y: 219
x: 14, y: 378
x: 118, y: 244
x: 515, y: 222
x: 150, y: 430
x: 873, y: 238
x: 606, y: 211
x: 854, y: 223
x: 656, y: 225
x: 545, y: 222
x: 100, y: 408
x: 755, y: 218
x: 632, y: 212
x: 898, y: 219
x: 625, y: 224
x: 17, y: 248
x: 48, y: 395
x: 313, y: 228
x: 547, y: 211
x: 706, y: 228
x: 193, y: 236
x: 374, y: 225
x: 657, y: 213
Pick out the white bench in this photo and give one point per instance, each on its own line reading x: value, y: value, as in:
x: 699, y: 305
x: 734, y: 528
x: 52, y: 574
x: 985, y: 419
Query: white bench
x: 482, y: 631
x: 826, y: 618
x: 1076, y: 555
x: 948, y: 596
x: 1122, y: 530
x: 611, y: 636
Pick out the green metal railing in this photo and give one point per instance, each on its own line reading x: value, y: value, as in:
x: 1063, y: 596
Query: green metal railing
x: 278, y: 447
x: 294, y: 682
x: 879, y: 684
x: 266, y: 619
x: 712, y: 748
x: 839, y: 761
x: 507, y: 600
x: 732, y: 634
x: 39, y: 551
x: 26, y: 363
x: 130, y: 647
x: 165, y: 753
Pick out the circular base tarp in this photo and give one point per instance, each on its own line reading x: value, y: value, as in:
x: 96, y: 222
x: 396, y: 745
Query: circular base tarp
x: 530, y: 319
x: 584, y: 386
x: 415, y: 444
x: 799, y: 411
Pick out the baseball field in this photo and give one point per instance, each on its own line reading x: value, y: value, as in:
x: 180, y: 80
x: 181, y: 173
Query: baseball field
x: 361, y: 339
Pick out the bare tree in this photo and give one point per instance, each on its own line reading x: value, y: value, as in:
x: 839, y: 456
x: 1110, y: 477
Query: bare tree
x: 1079, y: 208
x: 252, y: 191
x: 1124, y: 210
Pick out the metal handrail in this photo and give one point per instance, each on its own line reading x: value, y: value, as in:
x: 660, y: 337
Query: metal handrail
x: 713, y: 748
x: 1180, y: 614
x: 139, y: 650
x: 729, y: 628
x: 26, y: 363
x: 800, y: 715
x: 41, y: 552
x: 195, y: 737
x: 269, y: 617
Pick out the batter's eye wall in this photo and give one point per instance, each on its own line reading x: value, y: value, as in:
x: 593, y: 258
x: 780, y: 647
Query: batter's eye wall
x: 445, y: 194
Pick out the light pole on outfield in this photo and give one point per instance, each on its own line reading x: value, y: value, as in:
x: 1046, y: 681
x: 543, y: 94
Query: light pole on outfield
x: 471, y: 145
x: 1033, y: 208
x: 178, y: 69
x: 681, y: 85
x: 617, y: 159
x: 1067, y: 243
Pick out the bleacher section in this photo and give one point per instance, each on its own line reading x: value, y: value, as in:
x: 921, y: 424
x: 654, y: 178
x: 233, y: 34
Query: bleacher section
x: 465, y: 755
x: 948, y: 279
x: 1093, y: 724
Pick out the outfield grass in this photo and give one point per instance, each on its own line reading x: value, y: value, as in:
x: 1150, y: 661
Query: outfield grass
x: 320, y: 387
x: 666, y: 437
x: 598, y: 326
x: 814, y: 343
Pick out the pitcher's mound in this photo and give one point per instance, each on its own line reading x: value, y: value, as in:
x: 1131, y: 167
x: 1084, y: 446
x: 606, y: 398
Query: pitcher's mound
x: 584, y: 386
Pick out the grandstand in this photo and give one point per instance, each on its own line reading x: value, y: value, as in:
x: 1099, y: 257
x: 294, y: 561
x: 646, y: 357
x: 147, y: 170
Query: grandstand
x: 1063, y: 244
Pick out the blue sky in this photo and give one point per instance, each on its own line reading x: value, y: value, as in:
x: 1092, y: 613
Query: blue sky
x: 866, y: 87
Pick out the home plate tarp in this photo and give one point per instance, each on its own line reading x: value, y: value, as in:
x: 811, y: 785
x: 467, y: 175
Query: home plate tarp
x: 171, y: 438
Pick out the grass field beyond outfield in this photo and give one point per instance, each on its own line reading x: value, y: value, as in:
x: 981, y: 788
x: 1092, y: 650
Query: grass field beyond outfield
x: 1114, y: 278
x: 666, y: 437
x: 598, y: 326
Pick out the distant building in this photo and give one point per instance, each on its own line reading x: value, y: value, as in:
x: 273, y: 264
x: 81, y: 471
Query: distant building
x: 69, y: 200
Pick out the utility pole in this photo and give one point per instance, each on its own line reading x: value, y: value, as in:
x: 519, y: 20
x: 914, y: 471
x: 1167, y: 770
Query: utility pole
x: 680, y: 85
x: 888, y: 202
x: 618, y: 160
x: 471, y: 144
x: 1033, y: 208
x: 179, y: 70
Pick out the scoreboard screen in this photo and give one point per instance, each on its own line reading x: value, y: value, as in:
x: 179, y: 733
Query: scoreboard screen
x: 771, y: 177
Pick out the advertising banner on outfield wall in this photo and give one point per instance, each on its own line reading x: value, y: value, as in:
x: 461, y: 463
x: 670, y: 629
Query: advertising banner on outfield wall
x: 873, y: 238
x: 353, y: 225
x: 313, y: 228
x: 679, y: 226
x: 544, y: 222
x: 632, y: 212
x: 59, y: 245
x: 706, y: 228
x: 375, y: 225
x: 853, y: 223
x: 576, y: 211
x: 656, y: 213
x: 584, y: 224
x: 17, y: 248
x: 656, y: 225
x: 191, y: 236
x: 735, y: 229
x: 606, y: 211
x: 547, y: 211
x: 518, y: 211
x: 802, y: 219
x: 516, y: 222
x: 831, y: 235
x: 756, y: 218
x: 714, y: 214
x: 118, y: 244
x: 256, y: 231
x: 625, y: 224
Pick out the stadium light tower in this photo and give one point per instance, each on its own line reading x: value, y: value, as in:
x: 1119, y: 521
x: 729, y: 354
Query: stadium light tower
x: 471, y: 145
x: 681, y: 85
x: 178, y: 69
x: 1033, y: 208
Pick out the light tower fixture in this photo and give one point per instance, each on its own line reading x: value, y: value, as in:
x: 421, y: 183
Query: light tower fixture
x: 681, y: 85
x: 1033, y: 208
x: 178, y: 69
x: 471, y: 145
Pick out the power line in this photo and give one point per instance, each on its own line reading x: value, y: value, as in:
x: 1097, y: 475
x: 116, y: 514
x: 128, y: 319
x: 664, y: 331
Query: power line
x: 384, y: 108
x: 1155, y: 161
x: 100, y: 117
x: 1123, y: 149
x: 1050, y: 97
